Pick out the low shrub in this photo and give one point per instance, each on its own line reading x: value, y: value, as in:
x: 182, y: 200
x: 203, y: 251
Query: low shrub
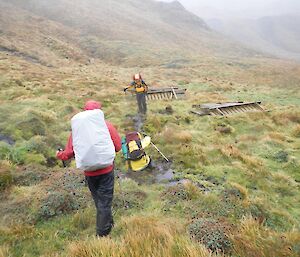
x: 212, y: 233
x: 17, y: 155
x: 57, y: 203
x: 129, y: 200
x: 281, y: 156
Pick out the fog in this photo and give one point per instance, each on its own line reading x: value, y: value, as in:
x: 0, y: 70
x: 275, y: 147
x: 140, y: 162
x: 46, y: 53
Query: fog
x: 240, y: 8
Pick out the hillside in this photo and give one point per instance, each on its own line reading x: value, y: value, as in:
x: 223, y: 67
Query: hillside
x: 232, y: 186
x: 115, y: 32
x: 277, y: 35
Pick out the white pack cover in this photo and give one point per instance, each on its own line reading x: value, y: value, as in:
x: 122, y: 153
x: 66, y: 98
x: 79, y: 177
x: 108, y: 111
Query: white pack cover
x: 93, y: 146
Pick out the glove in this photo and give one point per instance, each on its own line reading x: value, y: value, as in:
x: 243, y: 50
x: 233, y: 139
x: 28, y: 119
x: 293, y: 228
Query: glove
x: 125, y: 89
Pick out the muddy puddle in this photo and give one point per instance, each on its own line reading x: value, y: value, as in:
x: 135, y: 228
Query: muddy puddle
x: 158, y: 173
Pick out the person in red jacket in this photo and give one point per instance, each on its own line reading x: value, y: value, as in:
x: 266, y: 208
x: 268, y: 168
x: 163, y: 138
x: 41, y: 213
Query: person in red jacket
x: 100, y: 182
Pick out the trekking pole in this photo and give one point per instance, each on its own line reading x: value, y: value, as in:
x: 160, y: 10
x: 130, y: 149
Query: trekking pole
x: 160, y: 152
x: 144, y: 134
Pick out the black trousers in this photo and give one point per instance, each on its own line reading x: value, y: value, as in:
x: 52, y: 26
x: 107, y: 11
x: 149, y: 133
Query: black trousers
x: 102, y: 189
x: 141, y: 100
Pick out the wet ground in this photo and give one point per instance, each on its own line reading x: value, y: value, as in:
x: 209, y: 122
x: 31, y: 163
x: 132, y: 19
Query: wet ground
x: 138, y: 121
x: 158, y: 173
x: 6, y: 139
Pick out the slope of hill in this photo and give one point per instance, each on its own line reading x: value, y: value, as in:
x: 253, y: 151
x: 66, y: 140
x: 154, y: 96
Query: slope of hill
x: 115, y: 32
x: 277, y: 35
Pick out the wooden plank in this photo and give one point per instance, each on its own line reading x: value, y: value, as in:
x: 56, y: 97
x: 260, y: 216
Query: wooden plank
x: 199, y: 113
x: 174, y: 93
x: 219, y: 111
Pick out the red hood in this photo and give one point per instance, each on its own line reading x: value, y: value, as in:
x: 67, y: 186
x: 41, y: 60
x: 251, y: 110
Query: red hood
x: 92, y: 105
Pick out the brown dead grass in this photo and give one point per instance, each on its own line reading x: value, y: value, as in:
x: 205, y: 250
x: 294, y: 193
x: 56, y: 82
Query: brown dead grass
x: 253, y: 239
x: 285, y: 117
x: 296, y: 131
x: 242, y: 191
x: 176, y: 135
x: 142, y: 236
x: 248, y: 138
x: 231, y: 151
x: 4, y: 251
x: 277, y: 136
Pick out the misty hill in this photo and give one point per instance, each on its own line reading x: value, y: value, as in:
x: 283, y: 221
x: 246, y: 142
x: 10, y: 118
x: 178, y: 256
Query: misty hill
x: 114, y: 31
x: 277, y: 35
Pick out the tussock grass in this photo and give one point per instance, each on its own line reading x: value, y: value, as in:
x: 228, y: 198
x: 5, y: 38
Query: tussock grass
x: 243, y: 192
x: 231, y: 151
x: 284, y: 117
x: 21, y: 231
x: 83, y: 219
x: 175, y: 135
x: 296, y: 131
x: 4, y: 251
x: 141, y: 236
x: 253, y: 239
x: 277, y: 136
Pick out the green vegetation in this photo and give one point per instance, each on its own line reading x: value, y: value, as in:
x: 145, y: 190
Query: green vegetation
x: 239, y: 175
x: 242, y: 173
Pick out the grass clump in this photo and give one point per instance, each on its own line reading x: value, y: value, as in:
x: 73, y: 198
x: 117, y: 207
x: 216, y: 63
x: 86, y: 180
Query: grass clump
x: 141, y: 236
x: 284, y: 117
x: 31, y: 127
x: 83, y: 219
x: 296, y: 131
x: 253, y: 239
x: 175, y: 135
x: 230, y: 151
x: 4, y: 251
x: 6, y: 177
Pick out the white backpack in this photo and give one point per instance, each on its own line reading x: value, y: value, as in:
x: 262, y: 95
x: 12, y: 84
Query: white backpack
x: 92, y: 144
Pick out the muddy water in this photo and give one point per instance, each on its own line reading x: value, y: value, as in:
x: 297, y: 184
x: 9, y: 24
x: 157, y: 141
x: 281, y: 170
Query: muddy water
x: 7, y: 139
x: 138, y: 121
x: 158, y: 173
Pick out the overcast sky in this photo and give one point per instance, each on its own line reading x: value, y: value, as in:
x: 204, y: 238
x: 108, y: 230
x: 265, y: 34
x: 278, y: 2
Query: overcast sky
x: 240, y: 8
